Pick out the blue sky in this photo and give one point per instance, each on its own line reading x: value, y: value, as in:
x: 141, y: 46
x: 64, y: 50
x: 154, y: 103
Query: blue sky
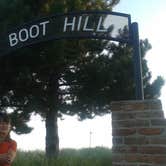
x: 150, y: 15
x: 141, y: 10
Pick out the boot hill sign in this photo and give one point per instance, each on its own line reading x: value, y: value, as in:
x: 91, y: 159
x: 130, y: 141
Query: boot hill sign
x: 99, y: 25
x: 86, y: 24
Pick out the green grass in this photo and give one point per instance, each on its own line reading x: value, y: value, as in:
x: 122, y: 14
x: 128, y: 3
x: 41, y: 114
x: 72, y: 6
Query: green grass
x: 98, y: 156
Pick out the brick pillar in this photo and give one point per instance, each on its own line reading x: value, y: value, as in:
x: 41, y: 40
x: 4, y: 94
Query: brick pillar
x: 139, y: 133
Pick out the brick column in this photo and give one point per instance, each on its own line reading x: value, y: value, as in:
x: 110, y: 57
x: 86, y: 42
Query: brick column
x: 139, y: 133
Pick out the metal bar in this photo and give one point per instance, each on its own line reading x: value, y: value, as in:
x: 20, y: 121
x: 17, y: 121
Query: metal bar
x: 137, y: 62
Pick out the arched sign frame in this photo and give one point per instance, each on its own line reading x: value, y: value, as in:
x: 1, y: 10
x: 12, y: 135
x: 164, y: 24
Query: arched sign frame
x: 78, y: 25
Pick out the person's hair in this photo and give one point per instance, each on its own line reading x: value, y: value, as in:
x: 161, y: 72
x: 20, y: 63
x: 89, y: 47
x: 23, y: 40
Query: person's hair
x: 5, y: 118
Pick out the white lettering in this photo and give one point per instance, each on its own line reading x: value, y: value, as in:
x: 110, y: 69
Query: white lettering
x: 13, y: 39
x: 99, y: 26
x: 23, y: 35
x: 85, y: 25
x: 30, y: 33
x: 72, y: 24
x: 79, y: 23
x: 34, y: 31
x: 44, y: 26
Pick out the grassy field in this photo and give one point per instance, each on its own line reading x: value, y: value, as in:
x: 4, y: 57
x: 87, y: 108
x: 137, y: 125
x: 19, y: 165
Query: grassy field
x: 98, y: 156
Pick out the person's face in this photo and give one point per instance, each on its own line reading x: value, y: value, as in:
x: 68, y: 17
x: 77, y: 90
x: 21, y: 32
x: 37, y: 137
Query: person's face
x: 4, y: 129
